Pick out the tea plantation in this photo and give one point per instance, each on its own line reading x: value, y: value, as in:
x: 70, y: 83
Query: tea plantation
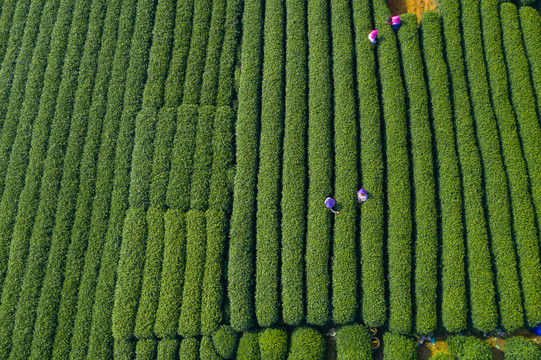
x: 164, y: 166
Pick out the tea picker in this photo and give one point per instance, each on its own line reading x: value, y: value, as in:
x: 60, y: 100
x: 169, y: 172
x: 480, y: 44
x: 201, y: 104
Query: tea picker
x: 394, y: 22
x: 362, y: 196
x: 329, y: 203
x: 372, y: 36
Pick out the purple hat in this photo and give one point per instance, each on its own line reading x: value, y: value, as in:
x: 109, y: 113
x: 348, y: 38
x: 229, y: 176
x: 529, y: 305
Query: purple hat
x: 361, y: 192
x: 329, y: 202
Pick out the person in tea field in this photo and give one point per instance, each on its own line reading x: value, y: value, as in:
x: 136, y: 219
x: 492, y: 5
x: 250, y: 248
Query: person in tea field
x: 362, y: 196
x: 329, y: 203
x: 394, y: 22
x: 373, y: 36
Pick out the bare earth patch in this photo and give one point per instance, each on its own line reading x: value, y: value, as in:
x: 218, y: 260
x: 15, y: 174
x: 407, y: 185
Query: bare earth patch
x: 417, y: 7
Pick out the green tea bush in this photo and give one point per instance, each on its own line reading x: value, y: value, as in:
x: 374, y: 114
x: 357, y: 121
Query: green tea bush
x: 133, y: 239
x: 241, y: 267
x: 47, y: 309
x: 520, y: 348
x: 14, y: 254
x: 306, y: 344
x: 469, y: 348
x: 426, y: 234
x: 167, y: 349
x: 207, y: 351
x: 344, y: 266
x: 228, y: 57
x: 85, y: 278
x: 178, y: 189
x: 160, y: 54
x: 530, y: 132
x: 267, y: 287
x: 531, y: 31
x: 34, y: 23
x: 130, y: 272
x: 30, y: 143
x: 380, y: 13
x: 161, y: 163
x: 293, y: 206
x: 198, y: 46
x: 141, y: 174
x: 248, y: 348
x: 353, y: 343
x: 40, y: 239
x: 141, y: 166
x: 219, y: 203
x: 213, y: 287
x: 150, y: 288
x: 124, y: 350
x: 202, y: 159
x: 13, y: 77
x: 172, y: 277
x: 498, y: 205
x: 143, y: 146
x: 17, y: 262
x: 482, y: 292
x: 19, y: 44
x: 273, y: 344
x: 100, y: 335
x: 145, y: 349
x: 399, y: 222
x: 318, y: 220
x: 189, y: 349
x: 371, y: 160
x: 25, y: 10
x: 8, y: 8
x: 531, y: 27
x: 87, y: 180
x: 398, y: 347
x: 511, y: 312
x: 179, y: 54
x: 196, y: 238
x: 530, y: 24
x: 209, y: 87
x: 454, y: 305
x: 222, y: 158
x: 9, y: 204
x: 225, y: 341
x: 100, y: 340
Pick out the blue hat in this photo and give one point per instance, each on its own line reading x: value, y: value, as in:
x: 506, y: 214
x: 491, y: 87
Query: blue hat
x: 362, y: 191
x: 329, y: 202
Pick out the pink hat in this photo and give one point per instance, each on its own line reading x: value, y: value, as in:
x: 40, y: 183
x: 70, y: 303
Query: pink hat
x: 374, y: 33
x: 396, y: 19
